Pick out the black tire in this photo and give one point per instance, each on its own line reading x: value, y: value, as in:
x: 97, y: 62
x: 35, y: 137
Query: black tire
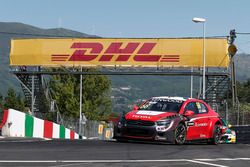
x: 216, y: 135
x: 180, y: 134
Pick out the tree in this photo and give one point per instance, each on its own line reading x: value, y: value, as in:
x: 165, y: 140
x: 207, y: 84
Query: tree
x: 244, y: 91
x: 244, y: 95
x: 245, y: 107
x: 20, y: 103
x: 96, y: 95
x: 10, y: 100
x: 14, y: 101
x: 1, y: 103
x: 62, y: 87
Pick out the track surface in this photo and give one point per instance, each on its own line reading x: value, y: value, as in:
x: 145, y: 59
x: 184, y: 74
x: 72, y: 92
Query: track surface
x: 111, y: 154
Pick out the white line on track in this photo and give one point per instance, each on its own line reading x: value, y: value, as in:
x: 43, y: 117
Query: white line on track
x: 206, y: 163
x: 68, y: 164
x: 223, y: 159
x: 198, y: 161
x: 92, y: 161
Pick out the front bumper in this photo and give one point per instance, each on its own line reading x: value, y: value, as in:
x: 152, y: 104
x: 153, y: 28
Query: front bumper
x: 142, y: 132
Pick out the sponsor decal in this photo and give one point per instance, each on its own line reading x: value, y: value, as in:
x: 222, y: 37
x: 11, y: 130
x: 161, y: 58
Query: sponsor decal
x: 203, y: 136
x: 201, y: 124
x: 95, y: 51
x: 144, y: 112
x: 190, y: 123
x: 198, y: 105
x: 141, y: 116
x: 167, y: 100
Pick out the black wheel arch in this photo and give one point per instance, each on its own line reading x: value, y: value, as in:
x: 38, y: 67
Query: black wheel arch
x: 178, y: 120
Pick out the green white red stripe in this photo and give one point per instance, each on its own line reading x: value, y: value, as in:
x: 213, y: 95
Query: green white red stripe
x: 19, y: 124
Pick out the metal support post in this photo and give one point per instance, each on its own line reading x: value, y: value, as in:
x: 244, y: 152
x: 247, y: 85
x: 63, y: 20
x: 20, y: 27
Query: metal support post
x: 238, y: 112
x: 243, y: 117
x: 200, y: 85
x: 32, y: 94
x: 227, y: 114
x: 232, y: 50
x: 233, y: 82
x: 204, y: 62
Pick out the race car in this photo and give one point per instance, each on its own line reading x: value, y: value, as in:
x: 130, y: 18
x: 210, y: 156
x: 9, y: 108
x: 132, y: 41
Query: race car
x: 170, y: 119
x: 229, y: 135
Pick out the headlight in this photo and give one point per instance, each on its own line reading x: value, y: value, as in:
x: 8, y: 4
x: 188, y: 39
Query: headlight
x: 122, y: 122
x: 163, y: 125
x: 164, y: 122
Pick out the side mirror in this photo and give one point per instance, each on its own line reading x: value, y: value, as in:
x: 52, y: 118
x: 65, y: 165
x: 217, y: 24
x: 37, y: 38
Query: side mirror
x: 135, y: 108
x: 189, y: 113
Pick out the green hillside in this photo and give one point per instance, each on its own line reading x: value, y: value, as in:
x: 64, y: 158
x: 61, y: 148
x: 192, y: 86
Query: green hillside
x: 242, y: 62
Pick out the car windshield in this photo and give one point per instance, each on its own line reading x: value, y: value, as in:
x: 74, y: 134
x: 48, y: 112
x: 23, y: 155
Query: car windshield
x: 162, y: 105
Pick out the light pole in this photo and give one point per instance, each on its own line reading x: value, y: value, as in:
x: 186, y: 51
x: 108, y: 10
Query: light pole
x: 191, y: 83
x: 80, y: 113
x: 202, y: 20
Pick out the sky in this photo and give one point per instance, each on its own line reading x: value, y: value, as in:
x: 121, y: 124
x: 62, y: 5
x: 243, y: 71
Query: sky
x: 135, y: 18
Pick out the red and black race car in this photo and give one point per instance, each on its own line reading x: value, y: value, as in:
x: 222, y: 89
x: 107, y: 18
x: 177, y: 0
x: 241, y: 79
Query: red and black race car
x: 171, y: 119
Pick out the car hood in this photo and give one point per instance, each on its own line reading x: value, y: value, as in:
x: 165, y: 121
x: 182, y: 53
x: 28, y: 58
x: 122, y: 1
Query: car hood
x: 147, y: 115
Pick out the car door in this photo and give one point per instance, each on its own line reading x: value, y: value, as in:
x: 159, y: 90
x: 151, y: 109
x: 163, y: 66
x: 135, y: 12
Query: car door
x: 202, y: 120
x: 192, y: 121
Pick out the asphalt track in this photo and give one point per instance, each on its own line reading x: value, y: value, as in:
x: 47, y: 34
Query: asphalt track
x: 92, y: 153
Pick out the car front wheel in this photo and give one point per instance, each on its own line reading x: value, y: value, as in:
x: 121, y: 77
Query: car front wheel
x: 180, y: 134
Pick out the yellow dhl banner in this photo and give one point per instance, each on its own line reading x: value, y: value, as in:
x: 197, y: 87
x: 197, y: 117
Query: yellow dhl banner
x: 118, y: 52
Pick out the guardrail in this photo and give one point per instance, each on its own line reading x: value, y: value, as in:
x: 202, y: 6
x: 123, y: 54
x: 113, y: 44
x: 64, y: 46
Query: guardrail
x: 242, y: 133
x: 98, y: 130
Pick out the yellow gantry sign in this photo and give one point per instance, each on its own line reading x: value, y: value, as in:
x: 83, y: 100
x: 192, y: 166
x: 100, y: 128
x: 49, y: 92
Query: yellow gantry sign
x: 123, y: 52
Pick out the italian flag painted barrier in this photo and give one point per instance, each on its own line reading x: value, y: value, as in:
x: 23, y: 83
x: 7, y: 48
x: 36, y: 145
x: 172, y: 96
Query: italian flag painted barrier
x: 19, y: 124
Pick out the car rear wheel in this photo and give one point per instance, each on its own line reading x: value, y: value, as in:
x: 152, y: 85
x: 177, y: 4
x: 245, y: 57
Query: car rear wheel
x: 216, y: 135
x: 180, y: 134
